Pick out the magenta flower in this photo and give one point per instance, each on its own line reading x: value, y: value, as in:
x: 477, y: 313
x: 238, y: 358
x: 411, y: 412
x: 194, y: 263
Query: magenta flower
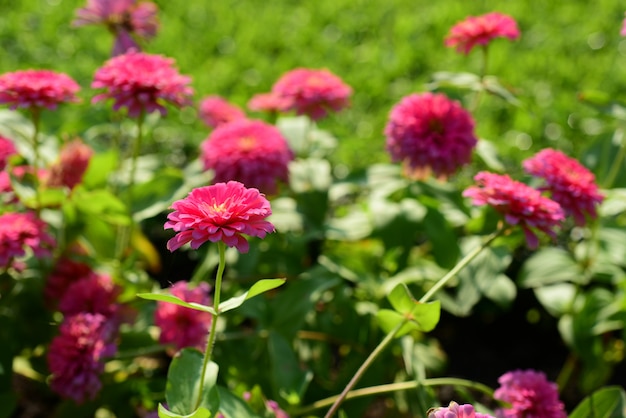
x: 454, y: 410
x: 480, y: 30
x: 36, y: 89
x: 530, y: 394
x: 123, y: 18
x: 311, y: 92
x: 181, y: 326
x: 73, y: 161
x: 520, y: 204
x: 142, y: 83
x: 570, y: 183
x: 221, y: 212
x: 7, y: 149
x: 21, y: 231
x: 76, y: 356
x: 216, y: 111
x: 66, y: 272
x: 95, y: 293
x: 430, y: 133
x: 249, y: 151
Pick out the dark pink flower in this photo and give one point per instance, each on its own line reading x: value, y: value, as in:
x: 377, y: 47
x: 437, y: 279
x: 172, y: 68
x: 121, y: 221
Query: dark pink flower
x: 123, y: 18
x: 454, y: 410
x: 311, y: 92
x: 249, y: 151
x: 530, y: 394
x: 142, y: 83
x: 570, y: 183
x: 480, y: 30
x: 66, y: 272
x: 73, y: 161
x: 520, y: 204
x: 37, y: 89
x: 76, y: 356
x: 221, y: 212
x: 430, y: 133
x: 215, y: 111
x: 95, y: 293
x: 7, y: 149
x: 181, y: 326
x: 21, y: 231
x: 267, y: 102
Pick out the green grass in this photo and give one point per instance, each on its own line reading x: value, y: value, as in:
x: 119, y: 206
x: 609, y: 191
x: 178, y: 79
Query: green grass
x: 385, y: 49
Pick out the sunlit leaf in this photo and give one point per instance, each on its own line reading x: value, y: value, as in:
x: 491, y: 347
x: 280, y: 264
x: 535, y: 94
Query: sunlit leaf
x: 163, y: 297
x: 259, y: 287
x: 608, y: 402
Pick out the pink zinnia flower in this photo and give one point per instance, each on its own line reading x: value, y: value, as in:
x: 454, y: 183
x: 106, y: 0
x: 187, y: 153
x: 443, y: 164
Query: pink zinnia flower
x: 7, y: 149
x: 19, y: 231
x: 570, y: 183
x: 65, y: 273
x: 454, y: 410
x: 530, y: 394
x: 249, y: 151
x: 215, y: 111
x: 73, y: 161
x: 95, y: 293
x: 480, y: 30
x: 311, y: 92
x: 429, y: 132
x: 142, y: 83
x: 124, y: 18
x: 37, y: 89
x: 520, y: 204
x: 181, y: 326
x: 221, y: 212
x: 76, y: 356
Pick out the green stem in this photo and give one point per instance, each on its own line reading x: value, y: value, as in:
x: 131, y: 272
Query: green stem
x: 617, y: 162
x: 391, y: 335
x: 36, y: 116
x: 216, y: 304
x: 483, y: 72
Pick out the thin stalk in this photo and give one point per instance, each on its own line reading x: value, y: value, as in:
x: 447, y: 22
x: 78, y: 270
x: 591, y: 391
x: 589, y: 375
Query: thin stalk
x: 216, y: 304
x: 483, y: 72
x: 391, y: 335
x: 617, y: 162
x: 36, y: 117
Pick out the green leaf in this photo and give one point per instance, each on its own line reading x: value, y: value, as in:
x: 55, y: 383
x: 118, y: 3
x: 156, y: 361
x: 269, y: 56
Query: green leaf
x: 155, y: 196
x: 488, y: 152
x: 199, y: 413
x: 232, y: 406
x: 401, y: 299
x: 608, y: 402
x: 549, y: 266
x: 388, y: 320
x: 101, y: 165
x: 466, y: 81
x: 102, y: 204
x: 162, y: 297
x: 425, y: 316
x: 259, y: 287
x: 289, y: 380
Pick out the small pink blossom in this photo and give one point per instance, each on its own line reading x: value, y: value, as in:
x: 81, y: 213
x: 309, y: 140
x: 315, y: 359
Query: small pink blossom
x: 267, y: 102
x: 520, y: 204
x: 76, y: 356
x: 570, y: 183
x: 480, y: 30
x: 36, y: 89
x: 7, y: 149
x: 181, y: 326
x: 96, y: 293
x: 221, y: 212
x: 430, y: 133
x: 73, y: 161
x: 216, y: 111
x: 530, y: 394
x: 249, y: 151
x: 623, y: 31
x: 21, y: 231
x: 142, y: 83
x: 454, y: 410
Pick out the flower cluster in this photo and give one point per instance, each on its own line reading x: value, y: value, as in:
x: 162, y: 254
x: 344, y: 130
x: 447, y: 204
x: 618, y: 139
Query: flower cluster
x: 519, y: 203
x: 454, y: 410
x: 36, y: 89
x: 21, y: 231
x: 215, y: 111
x: 480, y: 30
x: 530, y: 395
x: 180, y: 326
x: 430, y: 133
x: 249, y: 151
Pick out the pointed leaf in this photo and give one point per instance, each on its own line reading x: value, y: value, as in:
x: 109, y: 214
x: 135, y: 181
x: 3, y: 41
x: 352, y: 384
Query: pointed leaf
x: 183, y: 383
x: 162, y: 297
x: 425, y: 315
x: 388, y: 320
x: 608, y: 402
x: 288, y: 377
x: 401, y: 299
x: 259, y: 287
x: 550, y: 266
x: 199, y: 413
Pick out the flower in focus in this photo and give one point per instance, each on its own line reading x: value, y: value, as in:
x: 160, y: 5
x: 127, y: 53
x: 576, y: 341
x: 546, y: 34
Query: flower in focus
x: 142, y: 83
x: 267, y: 102
x: 220, y: 212
x: 310, y: 92
x: 123, y: 18
x: 520, y: 204
x: 215, y: 111
x: 480, y: 30
x: 35, y: 89
x: 454, y: 410
x: 95, y: 293
x: 21, y: 231
x: 69, y: 169
x: 249, y: 151
x: 7, y: 149
x: 530, y: 395
x: 181, y: 326
x: 570, y: 183
x: 430, y: 133
x: 75, y: 356
x: 66, y: 272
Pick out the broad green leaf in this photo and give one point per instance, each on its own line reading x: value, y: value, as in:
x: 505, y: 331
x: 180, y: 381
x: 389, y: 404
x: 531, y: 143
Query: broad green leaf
x: 101, y: 165
x: 102, y: 204
x: 443, y: 79
x: 177, y: 301
x: 199, y: 413
x: 608, y: 402
x: 232, y: 406
x: 259, y: 287
x: 549, y: 266
x: 444, y: 241
x: 425, y: 316
x: 388, y: 320
x: 289, y: 380
x: 488, y: 152
x: 156, y: 195
x: 493, y: 86
x: 556, y: 299
x: 401, y: 299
